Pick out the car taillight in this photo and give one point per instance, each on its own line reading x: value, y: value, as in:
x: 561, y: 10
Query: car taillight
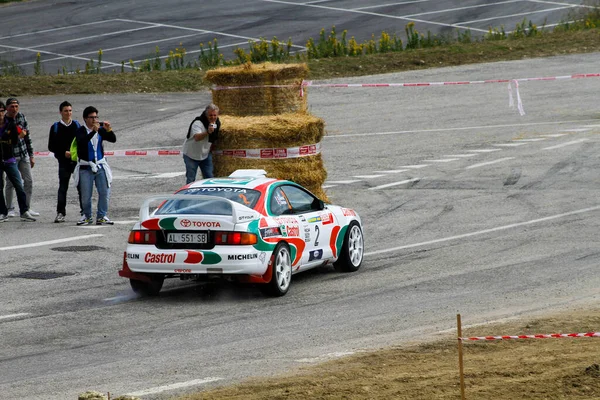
x: 239, y: 238
x: 142, y: 237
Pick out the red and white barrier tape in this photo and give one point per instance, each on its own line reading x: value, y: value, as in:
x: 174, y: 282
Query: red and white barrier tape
x: 538, y: 336
x: 422, y: 84
x: 268, y: 153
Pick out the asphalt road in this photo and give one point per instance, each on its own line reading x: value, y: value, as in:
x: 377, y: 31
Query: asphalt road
x: 467, y: 207
x: 67, y: 34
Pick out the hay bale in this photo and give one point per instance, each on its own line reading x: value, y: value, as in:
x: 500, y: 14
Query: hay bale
x: 284, y: 130
x: 307, y: 171
x: 92, y: 395
x: 256, y: 98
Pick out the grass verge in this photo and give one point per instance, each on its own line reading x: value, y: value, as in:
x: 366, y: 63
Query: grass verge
x: 544, y: 45
x: 508, y: 370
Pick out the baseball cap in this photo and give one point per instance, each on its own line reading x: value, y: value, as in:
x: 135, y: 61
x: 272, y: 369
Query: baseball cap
x: 11, y: 100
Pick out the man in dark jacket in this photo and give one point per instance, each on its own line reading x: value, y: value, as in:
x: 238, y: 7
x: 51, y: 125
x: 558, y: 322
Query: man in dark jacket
x: 92, y: 167
x: 197, y: 147
x: 61, y: 136
x: 11, y: 133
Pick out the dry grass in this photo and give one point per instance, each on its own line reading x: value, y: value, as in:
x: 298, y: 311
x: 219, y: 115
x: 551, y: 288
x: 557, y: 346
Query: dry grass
x: 511, y: 370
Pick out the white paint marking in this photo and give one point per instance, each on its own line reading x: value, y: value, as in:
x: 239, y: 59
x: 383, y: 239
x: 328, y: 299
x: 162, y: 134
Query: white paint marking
x: 445, y: 160
x: 49, y: 242
x: 327, y: 186
x: 458, y: 129
x: 483, y: 164
x: 512, y: 15
x: 509, y: 144
x: 555, y: 135
x: 391, y: 4
x: 396, y: 183
x: 162, y: 109
x: 367, y: 176
x: 126, y: 222
x: 54, y: 29
x: 461, y: 155
x: 326, y: 357
x: 485, y: 231
x: 344, y: 182
x: 391, y: 171
x: 169, y: 174
x: 558, y: 146
x: 484, y: 150
x: 180, y: 385
x: 416, y: 166
x: 461, y: 8
x: 11, y: 316
x: 496, y: 321
x: 530, y: 140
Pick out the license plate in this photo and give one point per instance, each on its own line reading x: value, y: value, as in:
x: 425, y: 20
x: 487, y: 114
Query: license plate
x: 192, y: 238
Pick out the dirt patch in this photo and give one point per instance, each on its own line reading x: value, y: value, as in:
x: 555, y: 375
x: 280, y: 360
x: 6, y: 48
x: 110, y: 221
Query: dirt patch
x: 566, y: 368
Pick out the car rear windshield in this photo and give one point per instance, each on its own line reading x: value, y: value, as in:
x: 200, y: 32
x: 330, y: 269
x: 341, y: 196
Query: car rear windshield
x: 246, y: 197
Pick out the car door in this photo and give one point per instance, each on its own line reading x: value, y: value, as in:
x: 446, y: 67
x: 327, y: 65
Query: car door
x: 315, y: 224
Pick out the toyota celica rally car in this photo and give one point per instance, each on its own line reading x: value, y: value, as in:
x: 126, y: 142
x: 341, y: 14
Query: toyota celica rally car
x: 245, y: 227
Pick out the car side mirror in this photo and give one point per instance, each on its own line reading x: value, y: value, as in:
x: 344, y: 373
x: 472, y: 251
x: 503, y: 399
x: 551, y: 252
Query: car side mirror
x: 319, y: 204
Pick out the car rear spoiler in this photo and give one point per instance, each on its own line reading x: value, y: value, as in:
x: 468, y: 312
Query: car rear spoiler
x: 239, y: 212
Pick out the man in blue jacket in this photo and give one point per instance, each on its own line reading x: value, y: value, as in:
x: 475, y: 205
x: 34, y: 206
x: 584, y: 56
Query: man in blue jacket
x: 92, y: 167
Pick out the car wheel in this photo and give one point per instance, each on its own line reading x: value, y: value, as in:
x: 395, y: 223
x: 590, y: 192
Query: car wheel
x: 281, y: 277
x: 351, y: 255
x: 151, y: 288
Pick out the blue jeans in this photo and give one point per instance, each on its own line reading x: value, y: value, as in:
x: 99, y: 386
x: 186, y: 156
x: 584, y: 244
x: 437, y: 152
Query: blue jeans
x: 87, y: 179
x: 13, y: 176
x: 191, y: 168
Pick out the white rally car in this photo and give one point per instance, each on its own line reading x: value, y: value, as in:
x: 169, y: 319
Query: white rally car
x: 245, y: 227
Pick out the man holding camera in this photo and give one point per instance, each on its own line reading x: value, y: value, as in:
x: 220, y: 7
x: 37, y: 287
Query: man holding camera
x: 92, y: 167
x: 202, y: 134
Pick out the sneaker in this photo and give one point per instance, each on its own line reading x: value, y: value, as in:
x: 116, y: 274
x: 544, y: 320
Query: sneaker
x: 59, y: 218
x: 26, y: 216
x: 85, y: 221
x: 34, y: 213
x: 104, y: 220
x: 3, y: 217
x: 11, y: 213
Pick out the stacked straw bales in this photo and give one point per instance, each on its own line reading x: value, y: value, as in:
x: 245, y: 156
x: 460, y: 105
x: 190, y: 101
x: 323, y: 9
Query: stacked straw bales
x: 259, y: 117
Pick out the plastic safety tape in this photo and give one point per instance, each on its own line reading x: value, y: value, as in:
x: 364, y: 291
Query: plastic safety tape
x: 537, y: 336
x: 267, y: 153
x: 415, y: 84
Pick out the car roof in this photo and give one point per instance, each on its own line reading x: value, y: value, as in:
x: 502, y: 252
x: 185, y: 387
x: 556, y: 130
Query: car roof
x: 247, y: 179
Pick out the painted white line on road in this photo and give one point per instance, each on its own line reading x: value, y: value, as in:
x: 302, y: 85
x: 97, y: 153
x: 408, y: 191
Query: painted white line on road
x: 484, y: 150
x: 159, y: 389
x: 466, y: 128
x: 343, y: 182
x: 367, y: 176
x: 445, y: 160
x: 509, y: 144
x: 391, y: 171
x: 565, y: 144
x: 483, y: 164
x: 555, y: 135
x: 325, y: 357
x: 49, y: 242
x: 11, y: 316
x: 460, y: 155
x: 416, y: 166
x: 530, y: 140
x: 327, y: 186
x: 485, y: 231
x: 396, y: 183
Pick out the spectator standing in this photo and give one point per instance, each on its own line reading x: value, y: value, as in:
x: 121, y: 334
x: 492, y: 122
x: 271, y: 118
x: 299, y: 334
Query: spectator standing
x: 10, y: 133
x: 92, y: 167
x: 23, y: 152
x: 202, y: 134
x: 60, y: 138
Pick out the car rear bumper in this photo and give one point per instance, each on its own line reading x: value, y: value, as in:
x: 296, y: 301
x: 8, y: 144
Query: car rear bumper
x: 219, y: 260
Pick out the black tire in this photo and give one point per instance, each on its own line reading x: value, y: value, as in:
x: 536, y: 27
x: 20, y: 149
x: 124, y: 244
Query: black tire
x: 151, y: 288
x: 281, y: 277
x: 351, y: 255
